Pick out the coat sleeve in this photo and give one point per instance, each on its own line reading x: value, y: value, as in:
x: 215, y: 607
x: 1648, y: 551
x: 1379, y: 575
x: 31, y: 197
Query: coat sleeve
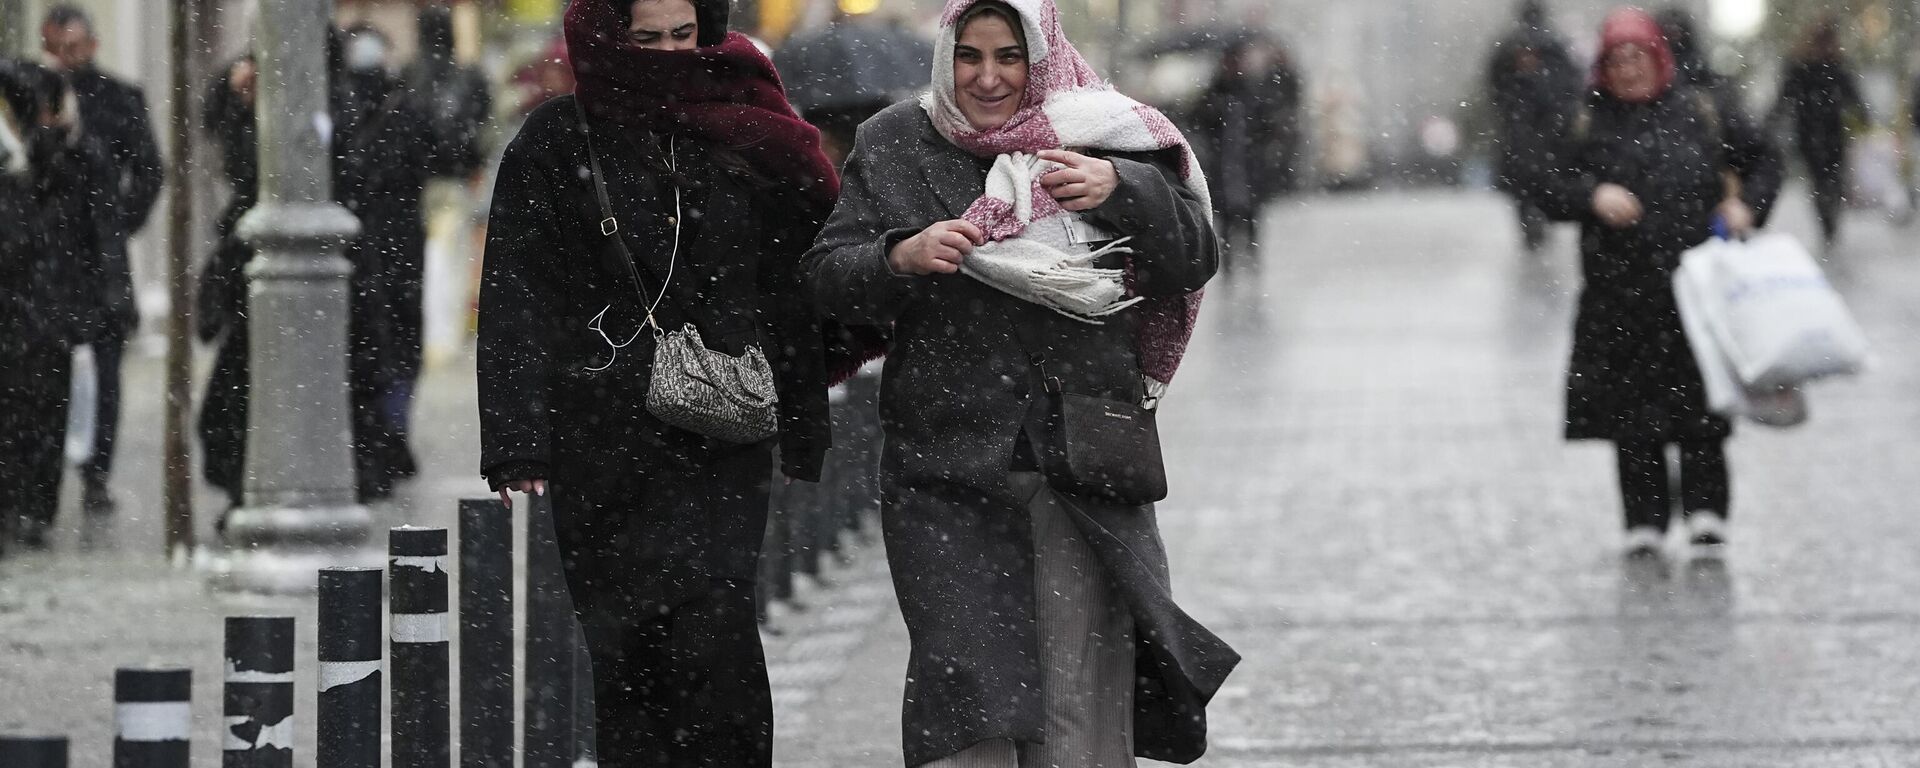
x: 846, y: 272
x: 518, y: 292
x: 1175, y: 251
x: 140, y: 163
x: 1754, y: 157
x: 795, y: 345
x: 1563, y: 186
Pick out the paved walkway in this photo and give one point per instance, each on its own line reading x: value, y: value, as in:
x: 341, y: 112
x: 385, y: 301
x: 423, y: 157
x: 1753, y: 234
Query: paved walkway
x: 1370, y: 500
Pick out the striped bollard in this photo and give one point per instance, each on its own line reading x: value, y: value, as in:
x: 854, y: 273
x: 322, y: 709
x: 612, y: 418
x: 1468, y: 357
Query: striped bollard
x: 548, y: 731
x: 348, y: 716
x: 259, y: 694
x: 486, y: 634
x: 33, y: 751
x: 417, y: 599
x: 152, y: 717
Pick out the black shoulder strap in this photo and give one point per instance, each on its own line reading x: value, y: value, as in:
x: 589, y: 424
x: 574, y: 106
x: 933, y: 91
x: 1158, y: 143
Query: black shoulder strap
x: 609, y: 224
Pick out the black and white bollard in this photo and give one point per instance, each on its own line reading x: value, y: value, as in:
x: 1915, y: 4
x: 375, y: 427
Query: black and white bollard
x: 553, y: 639
x: 259, y: 695
x: 348, y: 716
x: 152, y: 718
x: 486, y: 634
x: 417, y: 601
x: 33, y: 751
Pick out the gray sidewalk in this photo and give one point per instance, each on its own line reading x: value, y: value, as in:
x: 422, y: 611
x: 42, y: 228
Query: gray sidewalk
x: 1370, y: 500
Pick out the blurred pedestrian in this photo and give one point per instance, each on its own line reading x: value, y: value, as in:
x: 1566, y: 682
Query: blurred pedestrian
x: 1691, y: 67
x: 50, y: 252
x: 1643, y: 172
x: 114, y: 112
x: 453, y: 98
x: 382, y: 153
x: 1246, y: 129
x: 1533, y: 84
x: 1818, y: 94
x: 676, y: 191
x: 1043, y: 632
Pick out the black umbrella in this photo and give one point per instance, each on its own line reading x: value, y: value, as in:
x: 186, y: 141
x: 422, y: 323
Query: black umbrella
x: 854, y: 63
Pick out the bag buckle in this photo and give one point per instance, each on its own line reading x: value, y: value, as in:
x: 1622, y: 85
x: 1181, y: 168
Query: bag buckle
x: 608, y: 226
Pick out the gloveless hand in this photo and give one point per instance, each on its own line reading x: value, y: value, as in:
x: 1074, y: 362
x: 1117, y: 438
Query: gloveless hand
x: 536, y: 487
x: 937, y: 250
x: 1085, y: 183
x: 1737, y: 215
x: 1616, y: 206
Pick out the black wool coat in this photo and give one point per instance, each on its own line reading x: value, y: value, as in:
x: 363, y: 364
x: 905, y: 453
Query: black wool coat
x: 1632, y: 375
x: 956, y: 395
x: 1247, y: 132
x: 116, y: 113
x: 551, y: 278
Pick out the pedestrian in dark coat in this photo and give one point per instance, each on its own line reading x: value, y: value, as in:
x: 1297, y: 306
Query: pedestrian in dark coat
x: 49, y: 300
x: 717, y: 188
x: 1642, y: 173
x: 1534, y: 85
x: 115, y: 113
x: 1818, y: 93
x: 1247, y: 130
x: 381, y: 159
x: 1041, y: 621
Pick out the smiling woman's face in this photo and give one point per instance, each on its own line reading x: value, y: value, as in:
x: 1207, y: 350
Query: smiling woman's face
x: 989, y: 72
x: 664, y: 25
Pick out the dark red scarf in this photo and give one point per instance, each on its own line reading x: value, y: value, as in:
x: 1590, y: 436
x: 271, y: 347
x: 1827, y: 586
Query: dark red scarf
x: 726, y: 93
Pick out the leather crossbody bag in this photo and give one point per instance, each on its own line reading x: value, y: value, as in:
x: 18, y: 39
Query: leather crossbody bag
x: 1097, y: 446
x: 694, y: 388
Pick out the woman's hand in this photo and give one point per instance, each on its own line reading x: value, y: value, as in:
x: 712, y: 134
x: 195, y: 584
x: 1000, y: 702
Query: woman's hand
x: 937, y: 250
x: 1737, y: 216
x: 537, y: 487
x: 1616, y: 206
x: 1084, y: 184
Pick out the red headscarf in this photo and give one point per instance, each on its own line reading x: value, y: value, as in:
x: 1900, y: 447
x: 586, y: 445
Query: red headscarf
x: 727, y: 93
x: 1632, y: 26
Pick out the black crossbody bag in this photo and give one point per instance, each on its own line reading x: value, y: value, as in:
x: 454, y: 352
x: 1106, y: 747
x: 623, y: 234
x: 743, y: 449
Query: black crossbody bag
x: 1097, y: 446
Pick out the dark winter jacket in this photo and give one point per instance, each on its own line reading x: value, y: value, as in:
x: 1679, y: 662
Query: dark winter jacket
x: 116, y: 114
x: 956, y: 396
x: 1247, y: 131
x: 1632, y: 374
x: 1818, y: 96
x: 551, y: 278
x: 1528, y: 102
x: 49, y: 223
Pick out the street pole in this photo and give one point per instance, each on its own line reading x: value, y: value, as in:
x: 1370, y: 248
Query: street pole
x: 177, y: 484
x: 300, y: 512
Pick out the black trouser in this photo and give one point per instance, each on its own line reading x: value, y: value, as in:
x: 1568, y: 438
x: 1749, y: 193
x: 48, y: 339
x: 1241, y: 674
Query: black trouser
x: 33, y: 432
x: 1533, y: 223
x: 662, y: 564
x: 1239, y: 234
x: 1827, y: 169
x: 107, y: 354
x: 1646, y: 481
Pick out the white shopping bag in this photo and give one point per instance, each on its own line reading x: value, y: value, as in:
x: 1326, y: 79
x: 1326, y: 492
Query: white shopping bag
x: 1772, y: 313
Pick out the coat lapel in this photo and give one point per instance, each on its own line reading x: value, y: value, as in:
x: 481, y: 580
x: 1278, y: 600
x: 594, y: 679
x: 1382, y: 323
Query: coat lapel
x: 954, y: 177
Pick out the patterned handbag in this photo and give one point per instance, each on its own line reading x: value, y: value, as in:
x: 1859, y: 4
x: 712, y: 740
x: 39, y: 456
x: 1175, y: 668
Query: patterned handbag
x: 694, y: 388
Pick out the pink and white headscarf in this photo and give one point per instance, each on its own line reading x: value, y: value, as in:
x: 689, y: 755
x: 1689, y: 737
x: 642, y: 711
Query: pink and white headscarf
x: 1066, y: 105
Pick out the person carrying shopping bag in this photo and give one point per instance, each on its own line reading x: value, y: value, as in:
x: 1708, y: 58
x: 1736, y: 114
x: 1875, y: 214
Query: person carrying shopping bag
x: 1648, y: 169
x: 645, y: 343
x: 1037, y: 243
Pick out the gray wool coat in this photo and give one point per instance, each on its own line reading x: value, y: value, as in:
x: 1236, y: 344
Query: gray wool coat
x: 956, y: 397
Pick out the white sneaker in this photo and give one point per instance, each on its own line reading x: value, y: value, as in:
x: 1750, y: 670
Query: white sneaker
x: 1707, y: 532
x: 1644, y: 541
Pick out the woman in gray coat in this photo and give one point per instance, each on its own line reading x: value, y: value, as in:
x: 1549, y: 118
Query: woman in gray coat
x: 1043, y: 628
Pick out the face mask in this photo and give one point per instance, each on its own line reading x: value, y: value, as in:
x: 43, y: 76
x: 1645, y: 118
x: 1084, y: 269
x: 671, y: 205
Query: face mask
x: 366, y: 53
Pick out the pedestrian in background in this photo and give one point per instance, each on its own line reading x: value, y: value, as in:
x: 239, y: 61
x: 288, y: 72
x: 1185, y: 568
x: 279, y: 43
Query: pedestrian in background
x: 1043, y: 631
x: 677, y: 189
x: 1246, y: 128
x: 382, y: 154
x: 115, y: 113
x: 1690, y: 63
x: 1533, y: 85
x: 1642, y: 172
x: 1818, y: 95
x: 50, y: 252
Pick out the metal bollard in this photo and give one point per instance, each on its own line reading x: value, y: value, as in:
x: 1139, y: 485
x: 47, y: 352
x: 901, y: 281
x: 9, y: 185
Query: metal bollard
x: 153, y: 718
x: 33, y: 751
x: 259, y: 693
x: 349, y: 702
x: 486, y: 634
x: 552, y: 641
x: 422, y: 720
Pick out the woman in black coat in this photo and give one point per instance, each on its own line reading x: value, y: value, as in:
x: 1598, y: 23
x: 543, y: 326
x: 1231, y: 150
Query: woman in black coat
x: 1644, y: 173
x: 1247, y: 131
x: 716, y: 188
x: 1042, y: 622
